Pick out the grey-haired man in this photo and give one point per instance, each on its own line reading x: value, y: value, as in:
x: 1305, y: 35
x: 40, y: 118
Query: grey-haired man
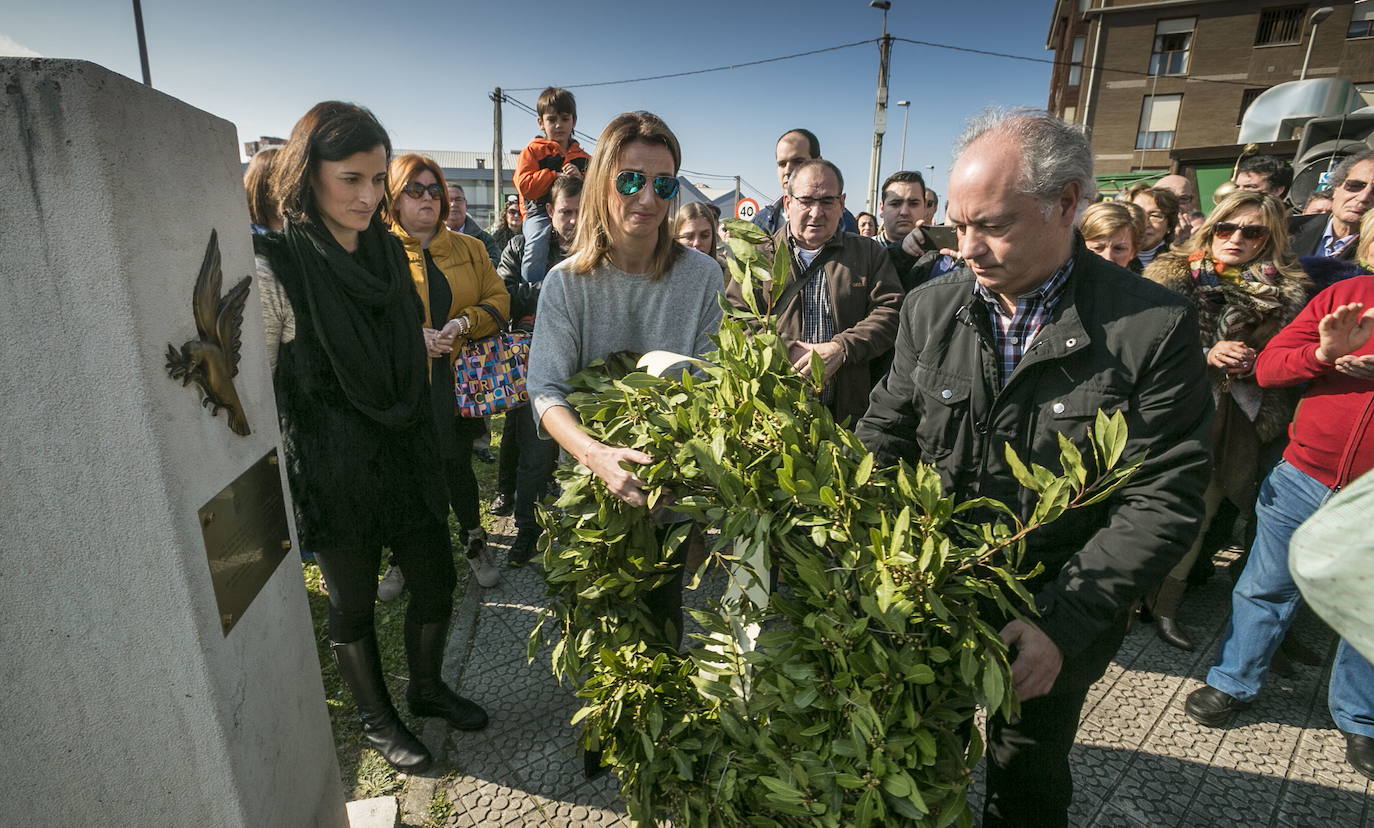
x: 1026, y: 341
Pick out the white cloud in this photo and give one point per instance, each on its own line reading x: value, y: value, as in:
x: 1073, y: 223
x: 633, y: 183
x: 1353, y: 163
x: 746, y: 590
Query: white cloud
x: 9, y: 47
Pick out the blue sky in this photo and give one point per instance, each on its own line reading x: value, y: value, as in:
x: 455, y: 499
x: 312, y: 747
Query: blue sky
x: 425, y: 67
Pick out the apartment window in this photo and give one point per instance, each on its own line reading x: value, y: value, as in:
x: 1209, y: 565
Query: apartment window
x: 1280, y: 25
x: 1158, y: 118
x: 1076, y: 61
x: 1071, y: 114
x: 1173, y: 42
x: 1361, y: 20
x: 1247, y: 97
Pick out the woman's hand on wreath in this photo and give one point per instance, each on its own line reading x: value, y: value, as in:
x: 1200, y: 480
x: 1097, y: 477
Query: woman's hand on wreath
x: 434, y: 346
x: 604, y: 462
x: 1232, y: 357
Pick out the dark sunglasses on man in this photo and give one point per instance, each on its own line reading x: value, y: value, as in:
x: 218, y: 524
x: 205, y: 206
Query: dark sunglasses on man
x: 1353, y: 185
x: 1249, y: 232
x: 629, y: 182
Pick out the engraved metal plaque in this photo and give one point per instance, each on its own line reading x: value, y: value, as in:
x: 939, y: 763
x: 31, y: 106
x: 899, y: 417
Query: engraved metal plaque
x: 246, y: 537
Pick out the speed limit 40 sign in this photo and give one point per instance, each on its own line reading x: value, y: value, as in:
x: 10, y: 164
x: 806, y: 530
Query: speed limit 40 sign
x: 746, y: 209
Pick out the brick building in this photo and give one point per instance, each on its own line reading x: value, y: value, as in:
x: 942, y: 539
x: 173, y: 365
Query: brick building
x: 1147, y: 78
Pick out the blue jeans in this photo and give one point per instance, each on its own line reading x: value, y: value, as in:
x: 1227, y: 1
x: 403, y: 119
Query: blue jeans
x: 534, y: 263
x: 1265, y: 601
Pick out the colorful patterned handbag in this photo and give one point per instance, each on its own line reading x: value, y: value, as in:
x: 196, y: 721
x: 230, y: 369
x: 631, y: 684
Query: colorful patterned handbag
x: 489, y: 373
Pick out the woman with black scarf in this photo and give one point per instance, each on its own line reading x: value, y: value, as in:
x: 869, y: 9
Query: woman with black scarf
x: 351, y: 376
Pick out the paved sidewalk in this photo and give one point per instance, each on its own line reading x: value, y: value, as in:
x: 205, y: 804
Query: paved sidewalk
x: 1139, y: 760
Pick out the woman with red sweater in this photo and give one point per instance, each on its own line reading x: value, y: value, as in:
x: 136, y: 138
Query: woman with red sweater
x: 1330, y: 348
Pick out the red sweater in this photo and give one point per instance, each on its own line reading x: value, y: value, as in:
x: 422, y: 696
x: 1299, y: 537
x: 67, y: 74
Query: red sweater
x: 1332, y: 435
x: 534, y: 179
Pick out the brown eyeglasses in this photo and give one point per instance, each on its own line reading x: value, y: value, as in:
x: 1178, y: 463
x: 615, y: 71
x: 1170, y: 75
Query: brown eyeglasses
x: 1249, y: 232
x: 1353, y: 185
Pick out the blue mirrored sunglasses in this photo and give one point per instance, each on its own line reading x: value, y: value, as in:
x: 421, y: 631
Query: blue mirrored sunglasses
x: 630, y: 182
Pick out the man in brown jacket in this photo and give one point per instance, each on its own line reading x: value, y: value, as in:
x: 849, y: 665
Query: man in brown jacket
x: 842, y: 294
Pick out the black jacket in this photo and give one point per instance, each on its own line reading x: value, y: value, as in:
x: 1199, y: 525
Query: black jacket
x: 1117, y: 343
x: 524, y: 296
x: 1305, y: 237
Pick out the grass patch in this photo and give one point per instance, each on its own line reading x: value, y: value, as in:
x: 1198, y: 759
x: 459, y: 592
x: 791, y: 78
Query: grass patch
x: 365, y: 774
x: 441, y: 810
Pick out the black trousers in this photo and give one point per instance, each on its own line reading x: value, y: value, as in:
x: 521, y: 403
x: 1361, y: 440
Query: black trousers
x: 425, y: 557
x: 665, y: 601
x: 463, y: 494
x: 526, y: 465
x: 1029, y: 784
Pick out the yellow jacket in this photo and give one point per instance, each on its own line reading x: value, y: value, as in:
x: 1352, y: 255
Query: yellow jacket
x: 471, y: 279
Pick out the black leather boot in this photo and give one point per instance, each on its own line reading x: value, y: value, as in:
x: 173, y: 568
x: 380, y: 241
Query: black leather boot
x: 1165, y: 608
x: 427, y: 694
x: 361, y: 670
x: 1359, y: 752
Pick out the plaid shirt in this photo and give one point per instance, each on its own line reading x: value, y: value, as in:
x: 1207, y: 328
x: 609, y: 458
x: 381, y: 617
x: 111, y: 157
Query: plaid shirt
x: 818, y: 318
x: 1013, y: 333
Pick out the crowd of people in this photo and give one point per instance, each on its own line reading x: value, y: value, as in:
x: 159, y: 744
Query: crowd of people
x: 1235, y: 342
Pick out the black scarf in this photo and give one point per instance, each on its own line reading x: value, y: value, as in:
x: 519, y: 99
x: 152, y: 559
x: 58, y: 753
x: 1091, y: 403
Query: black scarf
x: 365, y: 313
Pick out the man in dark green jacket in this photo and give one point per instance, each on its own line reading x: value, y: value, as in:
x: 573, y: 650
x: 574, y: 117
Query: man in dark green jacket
x: 1029, y: 340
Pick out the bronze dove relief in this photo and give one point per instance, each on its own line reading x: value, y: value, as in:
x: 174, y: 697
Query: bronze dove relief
x: 212, y: 360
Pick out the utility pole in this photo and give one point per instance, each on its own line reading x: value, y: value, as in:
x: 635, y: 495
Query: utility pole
x: 880, y: 110
x: 142, y: 43
x: 497, y: 205
x: 735, y: 206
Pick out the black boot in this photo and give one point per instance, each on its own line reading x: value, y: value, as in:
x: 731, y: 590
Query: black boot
x: 361, y: 670
x: 427, y: 694
x: 591, y: 764
x: 1165, y: 608
x: 525, y: 546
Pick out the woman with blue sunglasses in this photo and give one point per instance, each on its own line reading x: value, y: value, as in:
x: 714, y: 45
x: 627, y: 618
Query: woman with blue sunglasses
x: 628, y: 286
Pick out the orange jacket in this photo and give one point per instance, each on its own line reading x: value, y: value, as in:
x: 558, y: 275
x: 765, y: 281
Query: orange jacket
x: 539, y: 164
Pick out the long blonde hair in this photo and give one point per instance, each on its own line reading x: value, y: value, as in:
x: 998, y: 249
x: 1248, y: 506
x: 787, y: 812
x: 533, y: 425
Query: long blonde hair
x: 591, y: 245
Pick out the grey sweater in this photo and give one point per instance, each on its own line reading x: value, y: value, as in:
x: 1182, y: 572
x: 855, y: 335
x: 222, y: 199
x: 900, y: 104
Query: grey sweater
x: 588, y: 317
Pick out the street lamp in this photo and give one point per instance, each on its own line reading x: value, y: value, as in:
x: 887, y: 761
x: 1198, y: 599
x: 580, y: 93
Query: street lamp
x: 906, y: 116
x: 1317, y: 17
x: 880, y: 109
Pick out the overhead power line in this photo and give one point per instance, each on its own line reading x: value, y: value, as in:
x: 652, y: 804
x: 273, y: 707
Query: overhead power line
x: 947, y: 46
x: 591, y: 142
x: 702, y: 71
x: 1052, y: 62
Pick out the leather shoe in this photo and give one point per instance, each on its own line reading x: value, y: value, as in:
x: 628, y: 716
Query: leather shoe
x: 1359, y: 752
x: 1209, y: 706
x: 1171, y: 633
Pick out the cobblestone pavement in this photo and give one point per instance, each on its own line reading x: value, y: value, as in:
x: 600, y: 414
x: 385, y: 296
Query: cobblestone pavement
x: 1139, y: 761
